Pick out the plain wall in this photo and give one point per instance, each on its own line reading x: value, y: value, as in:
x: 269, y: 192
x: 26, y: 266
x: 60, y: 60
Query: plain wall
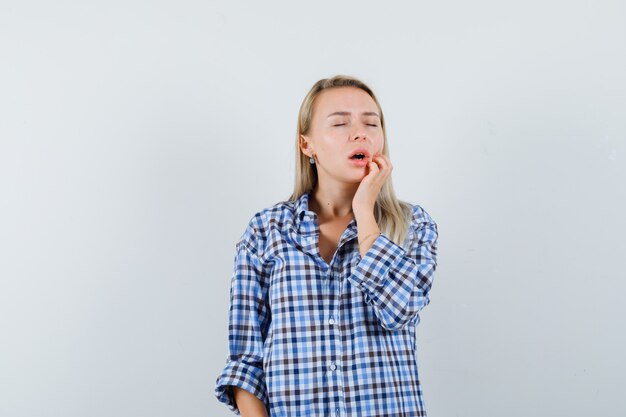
x: 138, y: 138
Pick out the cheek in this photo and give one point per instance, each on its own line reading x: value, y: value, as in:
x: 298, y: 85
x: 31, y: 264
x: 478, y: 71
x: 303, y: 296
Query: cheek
x: 380, y: 143
x: 329, y: 142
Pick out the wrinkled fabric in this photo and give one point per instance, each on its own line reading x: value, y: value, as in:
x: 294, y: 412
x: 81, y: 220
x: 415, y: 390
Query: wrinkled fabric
x: 315, y: 339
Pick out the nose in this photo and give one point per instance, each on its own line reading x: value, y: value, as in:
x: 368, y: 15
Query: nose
x: 358, y: 133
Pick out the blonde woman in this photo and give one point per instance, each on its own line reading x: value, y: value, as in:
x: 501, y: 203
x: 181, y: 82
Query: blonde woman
x: 328, y: 284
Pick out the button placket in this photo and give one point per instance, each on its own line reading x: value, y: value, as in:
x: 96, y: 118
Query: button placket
x: 336, y: 331
x: 334, y: 339
x: 335, y: 315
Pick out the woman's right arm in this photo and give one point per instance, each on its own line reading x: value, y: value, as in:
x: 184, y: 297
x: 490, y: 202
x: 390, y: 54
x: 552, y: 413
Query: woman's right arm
x: 249, y: 405
x: 248, y: 324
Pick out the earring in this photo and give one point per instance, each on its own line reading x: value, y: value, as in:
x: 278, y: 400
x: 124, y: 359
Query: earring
x: 311, y: 161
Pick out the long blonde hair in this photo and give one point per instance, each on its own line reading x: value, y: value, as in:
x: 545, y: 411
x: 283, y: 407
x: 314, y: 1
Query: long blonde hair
x: 391, y: 214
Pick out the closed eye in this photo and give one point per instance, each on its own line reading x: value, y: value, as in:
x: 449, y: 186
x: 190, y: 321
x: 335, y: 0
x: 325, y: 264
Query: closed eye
x: 342, y: 124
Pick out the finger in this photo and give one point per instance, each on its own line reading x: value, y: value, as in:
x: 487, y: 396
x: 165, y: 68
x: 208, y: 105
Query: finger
x: 386, y: 162
x: 385, y: 166
x: 373, y: 169
x: 382, y: 162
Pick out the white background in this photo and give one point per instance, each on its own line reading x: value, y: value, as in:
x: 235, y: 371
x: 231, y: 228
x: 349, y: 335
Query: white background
x: 138, y: 138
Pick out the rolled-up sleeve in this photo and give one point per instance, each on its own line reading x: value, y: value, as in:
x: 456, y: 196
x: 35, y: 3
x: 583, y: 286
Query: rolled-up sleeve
x: 247, y: 327
x: 397, y: 282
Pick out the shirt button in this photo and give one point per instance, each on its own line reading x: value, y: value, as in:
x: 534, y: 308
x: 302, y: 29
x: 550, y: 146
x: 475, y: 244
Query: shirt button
x: 331, y: 321
x: 337, y: 412
x: 309, y: 239
x: 333, y: 366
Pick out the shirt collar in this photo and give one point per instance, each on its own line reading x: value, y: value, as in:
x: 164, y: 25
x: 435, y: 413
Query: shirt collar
x: 302, y: 206
x: 302, y: 209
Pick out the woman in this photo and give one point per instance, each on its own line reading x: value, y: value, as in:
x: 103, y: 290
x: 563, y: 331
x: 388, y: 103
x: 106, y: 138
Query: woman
x: 327, y: 285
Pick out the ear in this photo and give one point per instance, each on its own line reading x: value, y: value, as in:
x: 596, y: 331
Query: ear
x: 305, y: 147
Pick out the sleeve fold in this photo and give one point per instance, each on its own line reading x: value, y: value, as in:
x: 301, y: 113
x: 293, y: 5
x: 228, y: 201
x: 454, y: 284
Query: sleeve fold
x: 238, y: 373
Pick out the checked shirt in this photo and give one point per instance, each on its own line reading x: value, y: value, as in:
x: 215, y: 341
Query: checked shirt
x: 315, y: 339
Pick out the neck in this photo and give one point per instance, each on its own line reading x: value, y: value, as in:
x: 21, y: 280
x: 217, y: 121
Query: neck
x: 335, y: 202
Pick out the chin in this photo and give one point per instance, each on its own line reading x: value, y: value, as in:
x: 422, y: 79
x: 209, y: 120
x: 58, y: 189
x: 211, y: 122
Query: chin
x: 354, y: 179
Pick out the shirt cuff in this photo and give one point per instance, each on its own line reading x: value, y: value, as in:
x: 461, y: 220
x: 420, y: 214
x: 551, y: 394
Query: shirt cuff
x: 370, y: 273
x: 243, y: 375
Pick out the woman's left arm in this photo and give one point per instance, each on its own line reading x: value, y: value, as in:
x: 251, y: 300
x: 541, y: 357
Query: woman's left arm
x: 396, y: 282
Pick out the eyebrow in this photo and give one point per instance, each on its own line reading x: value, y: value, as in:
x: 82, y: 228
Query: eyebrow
x: 347, y: 113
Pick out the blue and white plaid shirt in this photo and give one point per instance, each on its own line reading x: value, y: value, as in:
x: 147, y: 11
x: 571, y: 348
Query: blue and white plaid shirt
x: 313, y: 339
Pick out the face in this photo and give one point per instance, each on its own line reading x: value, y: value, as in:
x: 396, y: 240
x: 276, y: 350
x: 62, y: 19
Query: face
x: 344, y: 119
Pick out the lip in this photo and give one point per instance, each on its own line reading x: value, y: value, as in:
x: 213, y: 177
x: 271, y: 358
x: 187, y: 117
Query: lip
x: 358, y: 162
x: 360, y: 150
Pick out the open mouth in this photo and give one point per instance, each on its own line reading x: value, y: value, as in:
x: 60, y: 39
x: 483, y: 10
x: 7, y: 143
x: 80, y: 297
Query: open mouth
x: 358, y: 161
x: 358, y: 156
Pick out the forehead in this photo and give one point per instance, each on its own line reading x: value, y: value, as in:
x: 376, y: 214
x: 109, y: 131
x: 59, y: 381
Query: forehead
x: 350, y: 99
